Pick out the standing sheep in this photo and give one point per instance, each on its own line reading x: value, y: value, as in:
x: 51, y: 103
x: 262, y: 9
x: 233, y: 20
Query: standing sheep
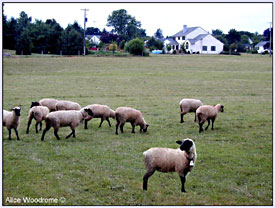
x: 127, y: 114
x: 39, y: 113
x: 66, y: 105
x: 70, y: 118
x: 180, y: 160
x: 47, y: 102
x: 11, y: 120
x: 208, y: 112
x: 188, y: 105
x: 100, y: 111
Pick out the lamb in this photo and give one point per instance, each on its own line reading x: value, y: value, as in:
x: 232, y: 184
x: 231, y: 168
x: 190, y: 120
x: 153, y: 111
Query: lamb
x: 11, y: 120
x: 180, y: 160
x: 67, y: 105
x: 47, y: 102
x: 208, y: 112
x: 100, y: 111
x: 127, y: 114
x: 188, y: 105
x: 39, y: 113
x: 70, y: 118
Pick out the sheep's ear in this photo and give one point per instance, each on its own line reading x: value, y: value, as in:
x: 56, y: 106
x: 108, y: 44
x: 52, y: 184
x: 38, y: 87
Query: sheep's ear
x: 147, y: 125
x: 179, y: 142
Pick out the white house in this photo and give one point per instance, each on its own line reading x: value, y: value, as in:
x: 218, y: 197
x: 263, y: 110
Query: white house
x: 261, y: 47
x: 94, y: 38
x: 195, y: 40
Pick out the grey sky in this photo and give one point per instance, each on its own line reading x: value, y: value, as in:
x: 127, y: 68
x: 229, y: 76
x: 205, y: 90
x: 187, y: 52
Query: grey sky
x: 170, y: 17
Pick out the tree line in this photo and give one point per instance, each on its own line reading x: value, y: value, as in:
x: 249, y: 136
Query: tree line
x: 28, y: 37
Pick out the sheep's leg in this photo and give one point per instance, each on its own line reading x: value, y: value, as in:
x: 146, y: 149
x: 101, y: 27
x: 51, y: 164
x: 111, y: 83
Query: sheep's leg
x: 36, y: 127
x: 117, y: 124
x: 44, y: 131
x: 101, y: 122
x: 195, y: 117
x: 133, y: 128
x: 107, y: 119
x: 28, y: 127
x: 213, y: 120
x: 86, y: 124
x: 181, y: 118
x: 56, y: 135
x: 145, y: 179
x: 200, y: 124
x: 9, y: 134
x: 207, y: 124
x: 73, y: 133
x: 121, y: 127
x: 183, y: 179
x: 16, y: 132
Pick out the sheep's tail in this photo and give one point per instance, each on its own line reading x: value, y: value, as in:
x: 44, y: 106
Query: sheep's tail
x: 31, y: 115
x: 112, y: 114
x: 198, y: 117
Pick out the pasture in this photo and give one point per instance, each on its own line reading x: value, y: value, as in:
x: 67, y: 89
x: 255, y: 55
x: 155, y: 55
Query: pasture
x: 234, y: 164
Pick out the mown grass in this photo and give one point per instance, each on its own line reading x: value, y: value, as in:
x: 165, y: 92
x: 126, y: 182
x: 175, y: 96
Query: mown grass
x: 234, y: 165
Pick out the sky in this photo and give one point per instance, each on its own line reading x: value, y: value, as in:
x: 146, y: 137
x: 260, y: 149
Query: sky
x: 169, y: 17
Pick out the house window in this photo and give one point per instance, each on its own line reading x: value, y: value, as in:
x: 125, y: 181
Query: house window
x: 213, y: 48
x: 187, y: 46
x: 177, y: 47
x: 178, y: 38
x: 204, y: 48
x: 183, y: 37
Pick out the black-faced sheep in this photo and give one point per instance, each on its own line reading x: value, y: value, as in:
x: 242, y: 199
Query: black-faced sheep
x: 208, y: 112
x: 180, y: 160
x: 67, y: 105
x: 11, y: 120
x: 127, y: 114
x: 47, y: 102
x: 188, y: 105
x: 70, y: 118
x: 39, y: 113
x: 100, y: 111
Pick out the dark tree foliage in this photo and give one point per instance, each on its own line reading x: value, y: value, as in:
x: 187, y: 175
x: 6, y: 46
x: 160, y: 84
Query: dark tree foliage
x: 153, y: 44
x: 158, y: 34
x: 93, y: 31
x: 72, y: 41
x: 135, y: 46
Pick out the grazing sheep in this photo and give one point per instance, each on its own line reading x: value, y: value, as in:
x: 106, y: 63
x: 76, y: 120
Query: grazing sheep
x: 127, y: 114
x: 188, y: 105
x: 11, y: 120
x: 208, y: 112
x: 47, y: 102
x: 70, y: 118
x: 180, y: 160
x: 100, y: 111
x: 67, y: 105
x: 39, y: 113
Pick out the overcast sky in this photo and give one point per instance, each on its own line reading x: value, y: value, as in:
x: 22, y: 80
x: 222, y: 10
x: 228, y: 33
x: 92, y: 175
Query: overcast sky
x: 169, y: 17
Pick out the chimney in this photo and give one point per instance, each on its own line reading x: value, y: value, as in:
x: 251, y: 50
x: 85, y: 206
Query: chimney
x: 184, y: 27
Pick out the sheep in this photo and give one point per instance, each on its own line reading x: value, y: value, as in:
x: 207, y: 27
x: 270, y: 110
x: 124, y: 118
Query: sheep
x: 11, y: 120
x: 100, y: 111
x: 127, y: 114
x: 67, y: 105
x: 208, y: 112
x: 70, y: 118
x: 39, y: 113
x: 180, y: 160
x: 47, y: 102
x: 188, y: 105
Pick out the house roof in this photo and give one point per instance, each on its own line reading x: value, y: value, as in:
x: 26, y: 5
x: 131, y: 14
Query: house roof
x: 199, y: 37
x: 171, y: 41
x: 185, y: 31
x: 262, y: 43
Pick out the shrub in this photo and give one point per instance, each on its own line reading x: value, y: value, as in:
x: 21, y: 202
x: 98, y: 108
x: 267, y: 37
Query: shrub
x: 135, y: 46
x: 254, y: 51
x: 174, y: 52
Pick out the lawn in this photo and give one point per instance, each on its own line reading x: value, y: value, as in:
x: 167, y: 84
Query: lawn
x: 234, y: 164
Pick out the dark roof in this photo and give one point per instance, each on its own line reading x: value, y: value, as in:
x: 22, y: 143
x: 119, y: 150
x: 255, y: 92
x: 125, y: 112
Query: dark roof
x: 262, y: 43
x: 185, y: 31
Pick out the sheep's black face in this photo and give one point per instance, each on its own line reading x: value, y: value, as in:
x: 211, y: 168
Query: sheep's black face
x: 89, y: 111
x: 186, y: 145
x: 145, y: 128
x: 34, y: 104
x: 17, y: 111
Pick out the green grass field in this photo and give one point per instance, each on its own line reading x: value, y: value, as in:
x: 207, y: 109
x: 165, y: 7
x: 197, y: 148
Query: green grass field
x: 234, y: 165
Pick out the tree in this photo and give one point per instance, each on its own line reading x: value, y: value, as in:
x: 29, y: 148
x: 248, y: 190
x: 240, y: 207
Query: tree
x: 24, y: 43
x: 233, y: 36
x: 93, y: 31
x: 135, y: 46
x: 217, y: 32
x: 154, y: 44
x: 158, y: 34
x: 72, y: 41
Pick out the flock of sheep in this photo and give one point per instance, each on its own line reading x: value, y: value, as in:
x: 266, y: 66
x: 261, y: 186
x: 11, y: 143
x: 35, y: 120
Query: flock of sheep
x: 61, y: 113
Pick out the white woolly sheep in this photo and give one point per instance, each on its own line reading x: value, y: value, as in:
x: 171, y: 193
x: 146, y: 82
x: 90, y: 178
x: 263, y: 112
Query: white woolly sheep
x: 67, y: 105
x: 208, y: 112
x: 47, y: 102
x: 127, y: 114
x: 100, y: 111
x: 39, y: 113
x: 70, y: 118
x: 180, y: 160
x: 11, y: 120
x: 188, y: 105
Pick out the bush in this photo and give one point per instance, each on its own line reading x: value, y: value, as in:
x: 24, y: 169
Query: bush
x: 174, y: 52
x: 254, y: 51
x: 135, y: 46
